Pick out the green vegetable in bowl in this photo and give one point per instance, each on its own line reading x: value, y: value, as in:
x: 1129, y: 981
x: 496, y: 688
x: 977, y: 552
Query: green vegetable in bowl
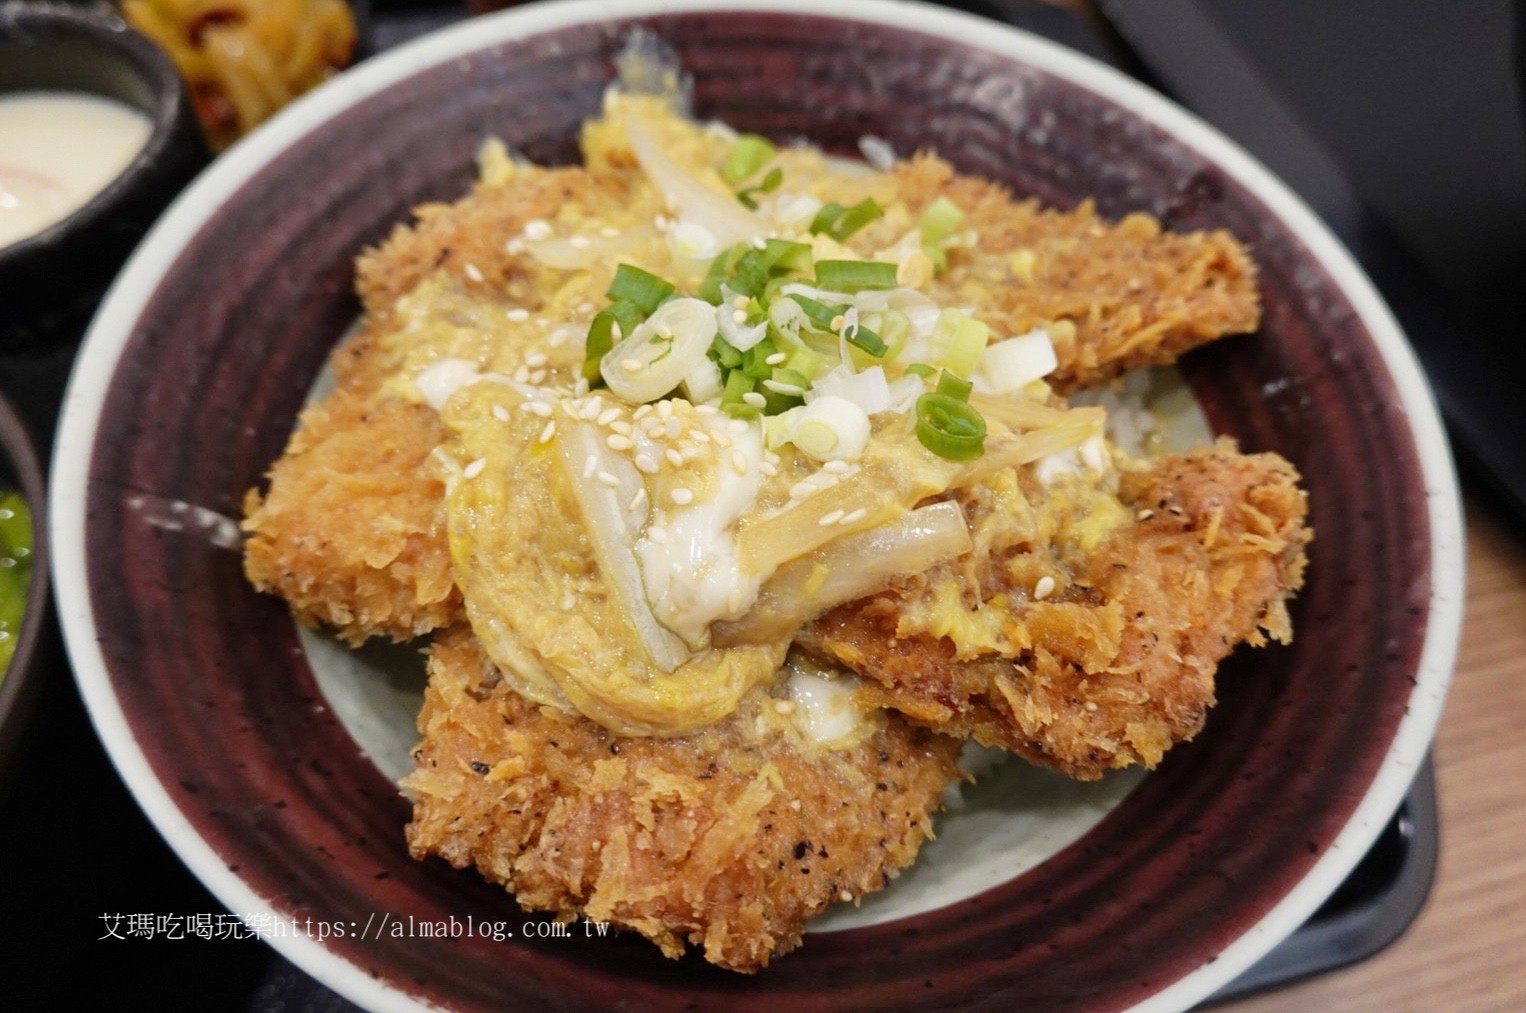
x: 15, y: 570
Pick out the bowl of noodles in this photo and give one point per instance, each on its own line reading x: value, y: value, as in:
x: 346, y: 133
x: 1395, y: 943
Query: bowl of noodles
x: 623, y: 503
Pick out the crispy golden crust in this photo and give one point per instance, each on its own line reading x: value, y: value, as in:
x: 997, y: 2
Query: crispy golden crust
x: 729, y: 839
x: 1121, y: 662
x: 1113, y: 296
x: 351, y: 532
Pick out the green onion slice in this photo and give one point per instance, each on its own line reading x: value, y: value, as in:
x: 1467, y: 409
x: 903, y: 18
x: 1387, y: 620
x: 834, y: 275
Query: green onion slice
x: 748, y: 195
x: 622, y: 313
x: 866, y: 341
x: 841, y: 222
x: 819, y: 313
x: 749, y: 154
x: 950, y: 428
x: 921, y: 369
x: 955, y: 387
x: 641, y: 288
x: 854, y: 275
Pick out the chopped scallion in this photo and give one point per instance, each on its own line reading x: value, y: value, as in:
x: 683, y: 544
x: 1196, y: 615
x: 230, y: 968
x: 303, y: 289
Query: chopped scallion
x: 952, y: 386
x: 950, y: 428
x: 866, y: 341
x: 841, y: 222
x: 854, y: 275
x: 819, y: 313
x: 921, y: 369
x: 749, y: 154
x: 641, y: 288
x: 748, y: 195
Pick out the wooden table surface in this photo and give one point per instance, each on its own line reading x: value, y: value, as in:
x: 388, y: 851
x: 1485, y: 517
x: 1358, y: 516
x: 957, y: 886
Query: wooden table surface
x: 1467, y: 949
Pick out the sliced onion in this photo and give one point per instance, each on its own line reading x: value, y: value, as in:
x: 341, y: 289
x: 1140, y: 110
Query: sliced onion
x: 721, y: 213
x: 562, y: 252
x: 869, y: 389
x: 612, y: 530
x: 738, y: 336
x: 703, y: 382
x: 831, y: 428
x: 849, y: 568
x: 1013, y: 364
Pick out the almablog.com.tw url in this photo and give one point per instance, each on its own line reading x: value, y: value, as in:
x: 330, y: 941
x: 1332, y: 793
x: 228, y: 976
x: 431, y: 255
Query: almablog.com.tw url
x: 379, y: 925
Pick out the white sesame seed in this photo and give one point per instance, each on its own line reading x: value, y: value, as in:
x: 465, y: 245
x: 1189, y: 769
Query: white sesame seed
x: 1145, y: 515
x: 674, y: 457
x: 835, y: 467
x: 707, y: 409
x: 854, y: 516
x: 787, y: 389
x: 473, y: 272
x: 1044, y: 588
x: 540, y: 408
x: 845, y: 896
x: 621, y: 426
x: 548, y: 432
x: 637, y: 501
x: 755, y: 399
x: 664, y: 410
x: 632, y: 365
x: 661, y: 223
x: 578, y: 242
x: 618, y: 442
x: 607, y: 416
x: 590, y: 466
x: 699, y: 436
x: 800, y: 490
x: 768, y: 469
x: 537, y: 230
x: 585, y: 307
x: 538, y: 377
x: 785, y: 707
x: 518, y: 314
x: 527, y: 406
x: 656, y: 534
x: 500, y: 413
x: 739, y: 462
x: 682, y: 496
x: 737, y: 426
x: 739, y: 316
x: 522, y: 374
x: 794, y: 804
x: 605, y: 478
x: 777, y: 359
x: 770, y: 457
x: 515, y: 245
x: 475, y: 468
x: 759, y: 243
x: 739, y: 302
x: 581, y: 387
x: 535, y: 360
x: 558, y: 337
x: 827, y: 520
x: 645, y: 464
x: 673, y: 428
x: 837, y: 322
x: 1091, y: 705
x: 642, y: 412
x: 721, y: 440
x: 609, y: 232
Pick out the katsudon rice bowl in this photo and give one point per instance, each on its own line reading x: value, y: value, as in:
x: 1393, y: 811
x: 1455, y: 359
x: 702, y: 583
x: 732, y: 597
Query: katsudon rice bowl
x: 733, y: 533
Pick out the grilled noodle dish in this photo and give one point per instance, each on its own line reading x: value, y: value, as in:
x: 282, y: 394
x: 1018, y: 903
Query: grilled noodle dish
x: 736, y: 487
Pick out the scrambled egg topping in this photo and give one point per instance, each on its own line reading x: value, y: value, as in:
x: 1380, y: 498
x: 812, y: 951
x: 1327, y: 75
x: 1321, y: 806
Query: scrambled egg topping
x: 647, y: 560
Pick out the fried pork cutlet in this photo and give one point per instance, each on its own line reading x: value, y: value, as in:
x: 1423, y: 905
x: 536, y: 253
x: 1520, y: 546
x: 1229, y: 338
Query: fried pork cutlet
x: 1112, y: 295
x: 1115, y: 661
x: 350, y: 532
x: 729, y: 839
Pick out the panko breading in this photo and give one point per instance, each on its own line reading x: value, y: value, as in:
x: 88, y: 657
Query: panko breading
x: 461, y: 480
x: 1112, y: 295
x: 728, y: 839
x: 1116, y: 663
x: 349, y: 532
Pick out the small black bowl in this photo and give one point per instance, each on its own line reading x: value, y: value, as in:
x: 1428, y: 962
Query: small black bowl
x: 53, y: 279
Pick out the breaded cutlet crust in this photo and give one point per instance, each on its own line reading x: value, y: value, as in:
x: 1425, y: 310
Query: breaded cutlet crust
x: 729, y: 839
x: 349, y: 530
x: 1113, y: 295
x: 1122, y: 661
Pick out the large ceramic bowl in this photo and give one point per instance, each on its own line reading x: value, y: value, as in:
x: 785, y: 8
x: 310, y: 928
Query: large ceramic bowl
x: 269, y: 774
